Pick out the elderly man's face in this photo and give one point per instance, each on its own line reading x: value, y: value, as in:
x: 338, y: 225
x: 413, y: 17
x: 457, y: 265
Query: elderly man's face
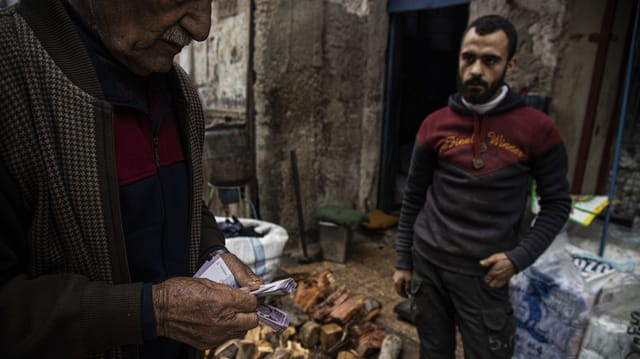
x: 145, y: 35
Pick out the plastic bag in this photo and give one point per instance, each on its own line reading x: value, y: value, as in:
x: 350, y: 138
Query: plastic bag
x: 553, y: 299
x: 262, y: 254
x: 614, y: 325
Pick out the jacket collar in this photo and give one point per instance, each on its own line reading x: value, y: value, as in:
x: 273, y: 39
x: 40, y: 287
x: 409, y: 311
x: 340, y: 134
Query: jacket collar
x: 120, y: 86
x: 511, y: 101
x: 52, y: 26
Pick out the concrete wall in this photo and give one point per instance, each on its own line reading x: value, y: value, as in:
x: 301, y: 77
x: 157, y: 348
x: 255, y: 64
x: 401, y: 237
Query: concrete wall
x: 319, y: 67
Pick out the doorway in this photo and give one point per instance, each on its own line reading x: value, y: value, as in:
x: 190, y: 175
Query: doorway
x: 421, y: 74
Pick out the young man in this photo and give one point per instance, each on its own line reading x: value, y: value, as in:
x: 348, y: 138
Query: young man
x: 101, y: 186
x: 457, y: 244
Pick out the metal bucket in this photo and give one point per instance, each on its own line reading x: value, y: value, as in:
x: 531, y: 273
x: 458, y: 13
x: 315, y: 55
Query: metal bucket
x: 228, y: 155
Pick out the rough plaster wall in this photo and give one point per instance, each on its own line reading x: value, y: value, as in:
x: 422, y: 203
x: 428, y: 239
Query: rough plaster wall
x: 5, y: 3
x: 573, y: 75
x: 573, y: 79
x: 539, y: 25
x: 372, y: 114
x: 219, y: 64
x: 319, y: 68
x: 626, y: 201
x: 288, y: 97
x: 609, y: 90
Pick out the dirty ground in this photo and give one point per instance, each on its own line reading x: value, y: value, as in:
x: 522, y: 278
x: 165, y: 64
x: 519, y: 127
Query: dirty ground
x: 368, y: 270
x: 370, y: 259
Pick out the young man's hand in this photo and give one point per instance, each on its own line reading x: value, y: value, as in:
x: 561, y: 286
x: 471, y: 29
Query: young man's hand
x: 402, y: 282
x: 500, y: 272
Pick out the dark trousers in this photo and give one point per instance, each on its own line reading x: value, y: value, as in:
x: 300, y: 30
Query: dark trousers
x: 443, y: 299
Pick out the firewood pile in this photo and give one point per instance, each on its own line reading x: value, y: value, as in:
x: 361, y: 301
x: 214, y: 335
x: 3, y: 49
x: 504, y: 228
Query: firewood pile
x: 325, y: 322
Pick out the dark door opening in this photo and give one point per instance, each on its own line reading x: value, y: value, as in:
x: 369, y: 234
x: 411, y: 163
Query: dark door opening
x: 421, y: 74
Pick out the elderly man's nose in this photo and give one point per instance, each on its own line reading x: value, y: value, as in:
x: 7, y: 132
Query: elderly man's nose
x: 197, y: 20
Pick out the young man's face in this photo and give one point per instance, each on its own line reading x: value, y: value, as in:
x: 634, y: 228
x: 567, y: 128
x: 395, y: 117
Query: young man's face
x: 483, y: 64
x: 145, y: 35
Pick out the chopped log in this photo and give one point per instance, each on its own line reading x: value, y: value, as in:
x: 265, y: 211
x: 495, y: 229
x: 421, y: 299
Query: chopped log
x: 262, y: 350
x: 391, y: 347
x: 330, y: 334
x: 269, y: 335
x: 344, y: 343
x: 253, y: 335
x: 227, y: 350
x: 370, y: 342
x: 347, y: 355
x: 297, y: 276
x: 362, y: 329
x: 348, y: 309
x: 310, y: 334
x: 246, y: 349
x: 310, y: 290
x: 296, y: 316
x: 279, y: 353
x: 265, y: 331
x: 286, y: 334
x: 341, y: 299
x: 333, y: 296
x: 321, y: 311
x: 297, y: 351
x: 371, y: 308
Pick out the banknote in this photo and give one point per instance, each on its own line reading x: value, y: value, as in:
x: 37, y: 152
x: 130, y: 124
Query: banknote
x: 273, y: 317
x: 216, y: 269
x: 277, y: 288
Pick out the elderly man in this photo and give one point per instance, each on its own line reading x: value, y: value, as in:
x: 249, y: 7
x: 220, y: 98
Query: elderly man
x: 101, y: 186
x: 457, y: 244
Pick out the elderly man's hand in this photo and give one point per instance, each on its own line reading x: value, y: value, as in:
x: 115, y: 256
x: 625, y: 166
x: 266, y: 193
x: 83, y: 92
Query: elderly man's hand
x: 241, y: 272
x: 202, y: 313
x: 501, y: 270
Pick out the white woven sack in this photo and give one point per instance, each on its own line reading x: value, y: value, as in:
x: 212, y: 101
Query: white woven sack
x: 262, y: 254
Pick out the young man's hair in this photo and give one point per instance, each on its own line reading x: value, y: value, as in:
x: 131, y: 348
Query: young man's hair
x: 489, y: 24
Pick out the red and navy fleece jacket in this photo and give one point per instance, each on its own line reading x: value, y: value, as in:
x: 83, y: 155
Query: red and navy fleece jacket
x: 468, y: 184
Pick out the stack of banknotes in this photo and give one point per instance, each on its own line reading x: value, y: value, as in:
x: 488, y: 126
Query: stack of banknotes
x: 277, y: 288
x: 216, y: 270
x: 268, y: 314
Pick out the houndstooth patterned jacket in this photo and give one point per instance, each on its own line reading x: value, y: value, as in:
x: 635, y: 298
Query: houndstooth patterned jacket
x: 64, y: 282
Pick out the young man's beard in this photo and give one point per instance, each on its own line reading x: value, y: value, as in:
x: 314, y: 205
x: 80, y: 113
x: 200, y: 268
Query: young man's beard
x: 475, y: 97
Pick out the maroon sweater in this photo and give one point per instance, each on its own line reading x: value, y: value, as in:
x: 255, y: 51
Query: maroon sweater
x: 468, y: 185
